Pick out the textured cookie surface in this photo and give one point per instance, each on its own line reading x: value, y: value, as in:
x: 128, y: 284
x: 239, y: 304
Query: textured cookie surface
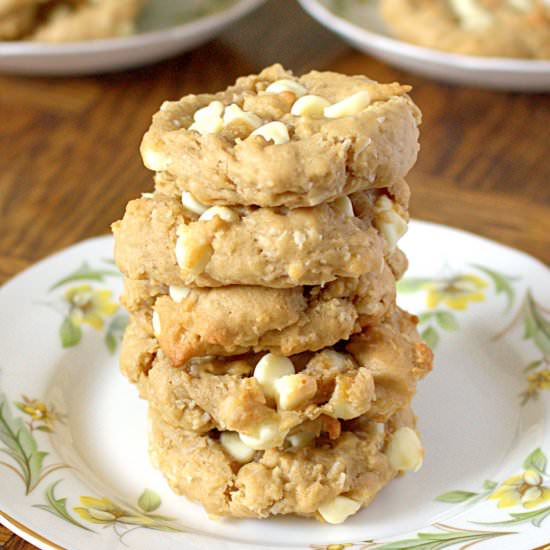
x: 239, y: 319
x: 278, y: 481
x: 160, y: 240
x: 67, y: 20
x: 374, y: 375
x: 269, y: 156
x: 498, y: 28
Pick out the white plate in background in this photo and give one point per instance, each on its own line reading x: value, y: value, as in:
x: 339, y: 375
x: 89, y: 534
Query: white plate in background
x: 166, y: 27
x: 484, y: 418
x: 358, y: 23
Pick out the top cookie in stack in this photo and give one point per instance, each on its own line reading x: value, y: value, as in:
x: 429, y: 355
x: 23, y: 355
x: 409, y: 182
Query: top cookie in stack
x: 263, y: 267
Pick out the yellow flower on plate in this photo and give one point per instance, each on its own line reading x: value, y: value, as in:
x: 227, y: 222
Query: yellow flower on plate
x: 456, y: 292
x: 38, y: 410
x: 539, y: 381
x: 90, y: 306
x: 525, y: 489
x: 105, y: 511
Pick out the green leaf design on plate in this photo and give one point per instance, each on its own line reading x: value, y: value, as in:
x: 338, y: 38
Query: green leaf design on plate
x: 85, y: 273
x: 430, y: 336
x: 69, y: 333
x: 489, y: 485
x: 437, y: 541
x: 115, y: 331
x: 149, y: 501
x: 536, y: 461
x: 21, y: 447
x: 58, y: 506
x: 537, y: 328
x: 501, y: 283
x: 536, y: 518
x: 410, y: 285
x: 534, y: 365
x: 456, y: 496
x: 446, y: 320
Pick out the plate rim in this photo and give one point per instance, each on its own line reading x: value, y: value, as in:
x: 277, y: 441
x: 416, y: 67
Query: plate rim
x: 477, y: 64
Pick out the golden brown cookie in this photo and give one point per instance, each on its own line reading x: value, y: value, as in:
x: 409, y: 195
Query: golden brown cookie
x: 274, y: 139
x: 329, y: 479
x: 497, y: 28
x: 239, y: 319
x: 76, y: 20
x: 161, y: 240
x: 265, y: 396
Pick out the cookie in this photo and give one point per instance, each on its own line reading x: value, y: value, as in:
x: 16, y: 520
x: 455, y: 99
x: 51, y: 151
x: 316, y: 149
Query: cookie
x: 161, y: 240
x: 373, y: 375
x: 16, y: 23
x: 239, y: 319
x: 274, y: 139
x: 73, y: 21
x: 328, y: 479
x: 497, y: 28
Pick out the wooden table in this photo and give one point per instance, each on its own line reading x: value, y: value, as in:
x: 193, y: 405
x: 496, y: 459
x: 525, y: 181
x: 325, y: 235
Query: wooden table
x: 69, y: 147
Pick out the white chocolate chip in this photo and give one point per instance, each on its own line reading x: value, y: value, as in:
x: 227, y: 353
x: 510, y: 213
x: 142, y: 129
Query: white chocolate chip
x: 405, y: 450
x: 388, y: 221
x: 223, y: 212
x: 192, y: 257
x: 156, y: 323
x: 344, y: 206
x: 286, y: 85
x: 294, y: 390
x: 178, y: 293
x: 269, y: 368
x: 310, y: 106
x: 275, y: 131
x: 300, y: 439
x: 233, y: 444
x: 339, y: 509
x: 349, y: 106
x: 208, y: 120
x: 338, y: 360
x: 192, y: 204
x: 268, y: 437
x: 522, y: 5
x: 472, y: 16
x: 155, y: 160
x: 147, y: 195
x: 233, y: 113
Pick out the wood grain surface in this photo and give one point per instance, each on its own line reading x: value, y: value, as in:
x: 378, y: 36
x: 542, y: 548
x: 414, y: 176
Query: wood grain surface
x: 69, y: 146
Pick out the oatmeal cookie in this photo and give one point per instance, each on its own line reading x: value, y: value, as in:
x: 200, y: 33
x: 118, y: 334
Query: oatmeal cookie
x: 161, y: 240
x: 328, y: 479
x: 274, y: 139
x: 497, y: 28
x: 76, y: 20
x: 266, y: 397
x: 239, y: 319
x: 17, y: 22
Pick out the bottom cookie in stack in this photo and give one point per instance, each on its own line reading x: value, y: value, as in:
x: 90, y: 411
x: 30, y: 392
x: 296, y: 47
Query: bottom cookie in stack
x: 316, y: 434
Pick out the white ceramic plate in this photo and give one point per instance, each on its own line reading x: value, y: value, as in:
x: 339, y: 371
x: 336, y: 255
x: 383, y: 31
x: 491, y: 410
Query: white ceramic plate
x: 484, y: 415
x: 166, y: 27
x: 358, y: 22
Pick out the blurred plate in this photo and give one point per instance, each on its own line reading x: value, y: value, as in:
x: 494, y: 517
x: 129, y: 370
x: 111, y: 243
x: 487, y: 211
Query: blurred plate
x: 358, y: 22
x: 165, y: 28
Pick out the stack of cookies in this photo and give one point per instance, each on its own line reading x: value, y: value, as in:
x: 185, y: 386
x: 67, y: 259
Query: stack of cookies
x: 260, y: 277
